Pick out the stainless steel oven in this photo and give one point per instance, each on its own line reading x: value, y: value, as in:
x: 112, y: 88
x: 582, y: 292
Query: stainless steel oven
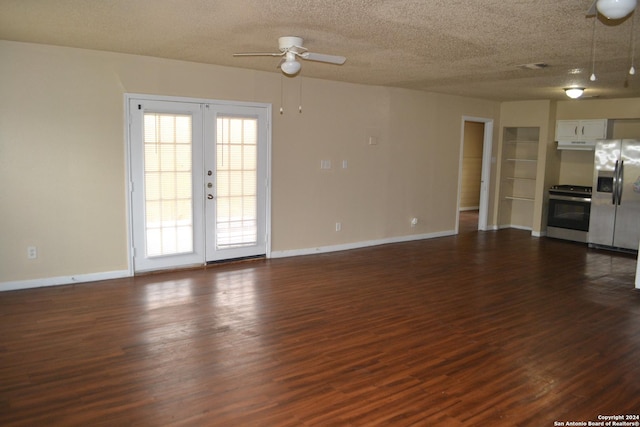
x: 569, y: 212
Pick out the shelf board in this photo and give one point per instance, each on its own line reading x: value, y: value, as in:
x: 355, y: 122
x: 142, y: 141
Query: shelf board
x: 522, y: 160
x: 526, y: 199
x: 519, y: 178
x: 523, y: 141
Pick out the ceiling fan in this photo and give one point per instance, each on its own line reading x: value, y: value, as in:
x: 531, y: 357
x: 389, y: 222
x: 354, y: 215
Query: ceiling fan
x: 291, y: 49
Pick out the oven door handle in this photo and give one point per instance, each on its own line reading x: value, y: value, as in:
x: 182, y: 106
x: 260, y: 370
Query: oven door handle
x: 570, y: 198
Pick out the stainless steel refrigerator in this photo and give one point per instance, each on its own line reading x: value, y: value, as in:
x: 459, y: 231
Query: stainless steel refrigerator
x: 615, y: 199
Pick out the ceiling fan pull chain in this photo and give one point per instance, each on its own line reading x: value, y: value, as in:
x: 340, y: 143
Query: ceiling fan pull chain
x: 593, y: 77
x: 281, y: 95
x: 632, y: 46
x: 300, y: 105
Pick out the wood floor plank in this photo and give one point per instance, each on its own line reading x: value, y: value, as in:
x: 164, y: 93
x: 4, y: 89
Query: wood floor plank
x: 482, y: 328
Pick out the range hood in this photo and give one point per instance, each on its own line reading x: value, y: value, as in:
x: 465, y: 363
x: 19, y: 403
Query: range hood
x: 577, y: 145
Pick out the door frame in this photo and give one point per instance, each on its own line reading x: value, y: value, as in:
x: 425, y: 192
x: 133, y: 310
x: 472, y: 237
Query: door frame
x: 487, y: 147
x: 128, y: 163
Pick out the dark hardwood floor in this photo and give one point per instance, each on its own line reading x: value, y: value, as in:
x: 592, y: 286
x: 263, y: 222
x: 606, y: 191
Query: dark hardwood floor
x: 479, y: 329
x: 468, y: 221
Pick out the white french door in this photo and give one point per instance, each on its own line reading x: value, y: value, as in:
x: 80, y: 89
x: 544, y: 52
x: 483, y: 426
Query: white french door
x: 199, y: 182
x: 236, y: 181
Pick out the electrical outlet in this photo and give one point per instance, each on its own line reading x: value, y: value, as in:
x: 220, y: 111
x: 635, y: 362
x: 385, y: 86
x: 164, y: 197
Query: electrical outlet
x: 338, y: 226
x: 32, y: 252
x: 414, y: 222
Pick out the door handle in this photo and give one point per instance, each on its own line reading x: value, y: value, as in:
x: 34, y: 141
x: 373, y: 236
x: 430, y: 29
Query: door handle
x: 210, y: 196
x: 620, y: 179
x: 614, y: 190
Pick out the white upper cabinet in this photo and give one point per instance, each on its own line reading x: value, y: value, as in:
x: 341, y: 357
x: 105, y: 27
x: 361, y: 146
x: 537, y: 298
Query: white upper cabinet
x: 583, y: 130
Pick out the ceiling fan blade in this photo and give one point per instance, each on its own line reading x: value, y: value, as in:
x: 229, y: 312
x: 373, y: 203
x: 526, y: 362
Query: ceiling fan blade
x: 321, y: 57
x: 259, y: 54
x: 592, y: 10
x: 298, y: 50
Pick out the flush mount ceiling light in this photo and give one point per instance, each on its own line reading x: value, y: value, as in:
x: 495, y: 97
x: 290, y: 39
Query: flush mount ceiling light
x: 574, y: 92
x: 616, y: 9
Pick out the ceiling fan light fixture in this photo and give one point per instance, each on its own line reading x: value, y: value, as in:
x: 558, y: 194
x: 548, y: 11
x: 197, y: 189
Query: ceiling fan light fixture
x: 292, y: 50
x: 290, y: 67
x: 574, y: 92
x: 616, y: 9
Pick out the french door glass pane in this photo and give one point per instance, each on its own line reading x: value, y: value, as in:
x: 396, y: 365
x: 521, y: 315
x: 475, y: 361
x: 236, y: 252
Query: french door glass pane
x: 236, y: 182
x: 167, y: 183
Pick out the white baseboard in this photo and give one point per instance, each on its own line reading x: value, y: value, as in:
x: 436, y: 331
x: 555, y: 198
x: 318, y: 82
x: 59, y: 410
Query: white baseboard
x: 63, y: 280
x: 93, y: 277
x: 491, y: 228
x: 357, y: 245
x: 518, y: 227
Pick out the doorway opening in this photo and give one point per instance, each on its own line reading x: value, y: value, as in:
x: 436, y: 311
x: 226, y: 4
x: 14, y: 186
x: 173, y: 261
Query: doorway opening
x: 474, y: 174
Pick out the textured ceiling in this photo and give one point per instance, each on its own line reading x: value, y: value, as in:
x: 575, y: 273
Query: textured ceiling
x: 463, y: 47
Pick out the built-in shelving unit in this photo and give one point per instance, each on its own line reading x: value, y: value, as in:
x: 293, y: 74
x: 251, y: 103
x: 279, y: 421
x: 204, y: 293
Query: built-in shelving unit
x: 519, y: 170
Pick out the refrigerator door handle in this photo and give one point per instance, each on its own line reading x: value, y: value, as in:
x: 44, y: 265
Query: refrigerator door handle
x: 614, y: 190
x: 620, y: 179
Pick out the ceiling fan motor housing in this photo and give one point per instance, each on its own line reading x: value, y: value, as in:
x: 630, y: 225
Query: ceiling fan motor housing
x: 285, y: 43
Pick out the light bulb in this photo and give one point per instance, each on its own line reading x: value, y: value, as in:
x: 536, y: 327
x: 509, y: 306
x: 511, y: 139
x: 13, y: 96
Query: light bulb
x: 616, y: 9
x: 593, y: 77
x: 574, y: 92
x: 290, y: 67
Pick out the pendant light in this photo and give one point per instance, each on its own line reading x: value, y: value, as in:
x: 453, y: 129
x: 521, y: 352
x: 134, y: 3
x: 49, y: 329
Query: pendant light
x: 616, y: 9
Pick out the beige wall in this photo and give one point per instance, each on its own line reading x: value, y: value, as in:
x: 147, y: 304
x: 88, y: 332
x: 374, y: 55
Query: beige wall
x: 599, y: 109
x: 63, y: 156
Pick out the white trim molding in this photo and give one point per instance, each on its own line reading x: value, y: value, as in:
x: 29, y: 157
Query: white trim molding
x: 487, y: 164
x: 62, y: 280
x: 358, y: 245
